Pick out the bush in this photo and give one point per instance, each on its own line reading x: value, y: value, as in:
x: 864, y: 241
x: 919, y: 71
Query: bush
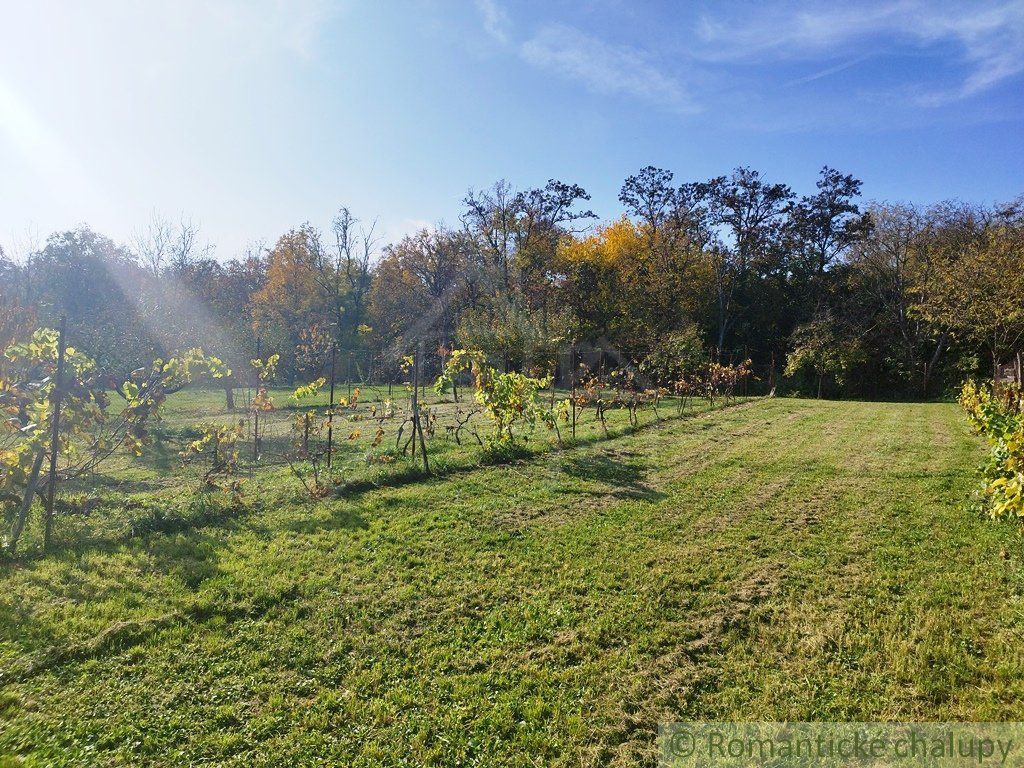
x: 1000, y: 418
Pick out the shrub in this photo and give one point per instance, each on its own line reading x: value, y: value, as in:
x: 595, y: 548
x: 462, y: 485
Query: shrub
x: 509, y: 399
x: 1000, y: 418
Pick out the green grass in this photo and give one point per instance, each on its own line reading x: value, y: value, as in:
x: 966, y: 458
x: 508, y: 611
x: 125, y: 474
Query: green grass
x: 781, y: 559
x: 357, y: 459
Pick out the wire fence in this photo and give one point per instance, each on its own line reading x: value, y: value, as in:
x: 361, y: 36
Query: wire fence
x: 381, y: 412
x: 373, y: 419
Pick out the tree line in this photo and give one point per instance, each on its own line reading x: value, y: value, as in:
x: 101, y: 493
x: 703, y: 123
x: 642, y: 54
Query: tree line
x: 824, y: 293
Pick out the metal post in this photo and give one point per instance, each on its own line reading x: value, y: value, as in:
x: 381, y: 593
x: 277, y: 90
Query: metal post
x: 55, y: 395
x: 455, y: 383
x: 414, y: 404
x: 572, y: 385
x: 256, y: 412
x: 330, y: 408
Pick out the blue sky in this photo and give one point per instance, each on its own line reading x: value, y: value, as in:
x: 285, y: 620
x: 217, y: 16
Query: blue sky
x: 250, y: 117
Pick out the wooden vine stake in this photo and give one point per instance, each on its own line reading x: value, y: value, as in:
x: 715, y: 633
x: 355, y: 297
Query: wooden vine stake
x: 55, y: 396
x: 26, y: 500
x: 417, y: 425
x: 256, y: 410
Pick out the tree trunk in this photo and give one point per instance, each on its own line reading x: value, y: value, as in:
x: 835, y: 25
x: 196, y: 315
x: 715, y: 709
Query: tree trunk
x: 229, y: 394
x: 929, y: 367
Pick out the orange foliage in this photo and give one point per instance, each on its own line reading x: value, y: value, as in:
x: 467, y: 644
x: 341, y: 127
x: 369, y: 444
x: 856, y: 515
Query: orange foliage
x: 290, y: 295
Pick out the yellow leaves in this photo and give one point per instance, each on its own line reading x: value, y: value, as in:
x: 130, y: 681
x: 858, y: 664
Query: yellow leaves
x: 461, y: 360
x: 131, y: 392
x: 181, y: 370
x: 309, y: 390
x: 1007, y: 495
x: 586, y: 251
x: 263, y: 402
x: 266, y: 369
x: 612, y: 245
x: 218, y: 442
x: 291, y: 289
x: 15, y: 465
x: 355, y: 434
x: 133, y: 444
x: 383, y: 410
x: 378, y: 438
x: 1001, y: 421
x: 974, y: 399
x: 197, y: 446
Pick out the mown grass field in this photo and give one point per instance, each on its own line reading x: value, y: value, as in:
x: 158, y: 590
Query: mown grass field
x: 357, y: 459
x: 779, y: 559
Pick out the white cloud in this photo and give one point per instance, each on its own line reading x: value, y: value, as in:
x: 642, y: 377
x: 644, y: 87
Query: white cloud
x: 827, y: 72
x: 992, y: 40
x: 982, y: 42
x: 989, y: 37
x: 782, y: 35
x: 604, y: 68
x: 496, y: 21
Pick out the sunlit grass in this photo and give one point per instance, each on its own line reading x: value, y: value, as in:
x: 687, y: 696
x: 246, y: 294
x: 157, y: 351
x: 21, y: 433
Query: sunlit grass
x: 784, y: 559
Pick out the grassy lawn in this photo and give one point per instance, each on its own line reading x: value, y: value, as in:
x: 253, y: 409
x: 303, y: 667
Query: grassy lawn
x: 780, y: 559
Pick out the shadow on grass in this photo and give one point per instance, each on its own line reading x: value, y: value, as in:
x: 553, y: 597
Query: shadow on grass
x: 143, y: 527
x: 517, y: 454
x: 161, y: 456
x: 339, y: 520
x: 606, y: 468
x: 408, y: 472
x: 101, y: 481
x: 44, y: 641
x: 627, y: 475
x: 188, y: 543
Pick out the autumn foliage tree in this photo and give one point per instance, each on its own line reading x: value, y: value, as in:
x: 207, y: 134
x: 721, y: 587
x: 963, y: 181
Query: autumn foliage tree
x: 976, y: 286
x: 745, y: 261
x: 291, y: 299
